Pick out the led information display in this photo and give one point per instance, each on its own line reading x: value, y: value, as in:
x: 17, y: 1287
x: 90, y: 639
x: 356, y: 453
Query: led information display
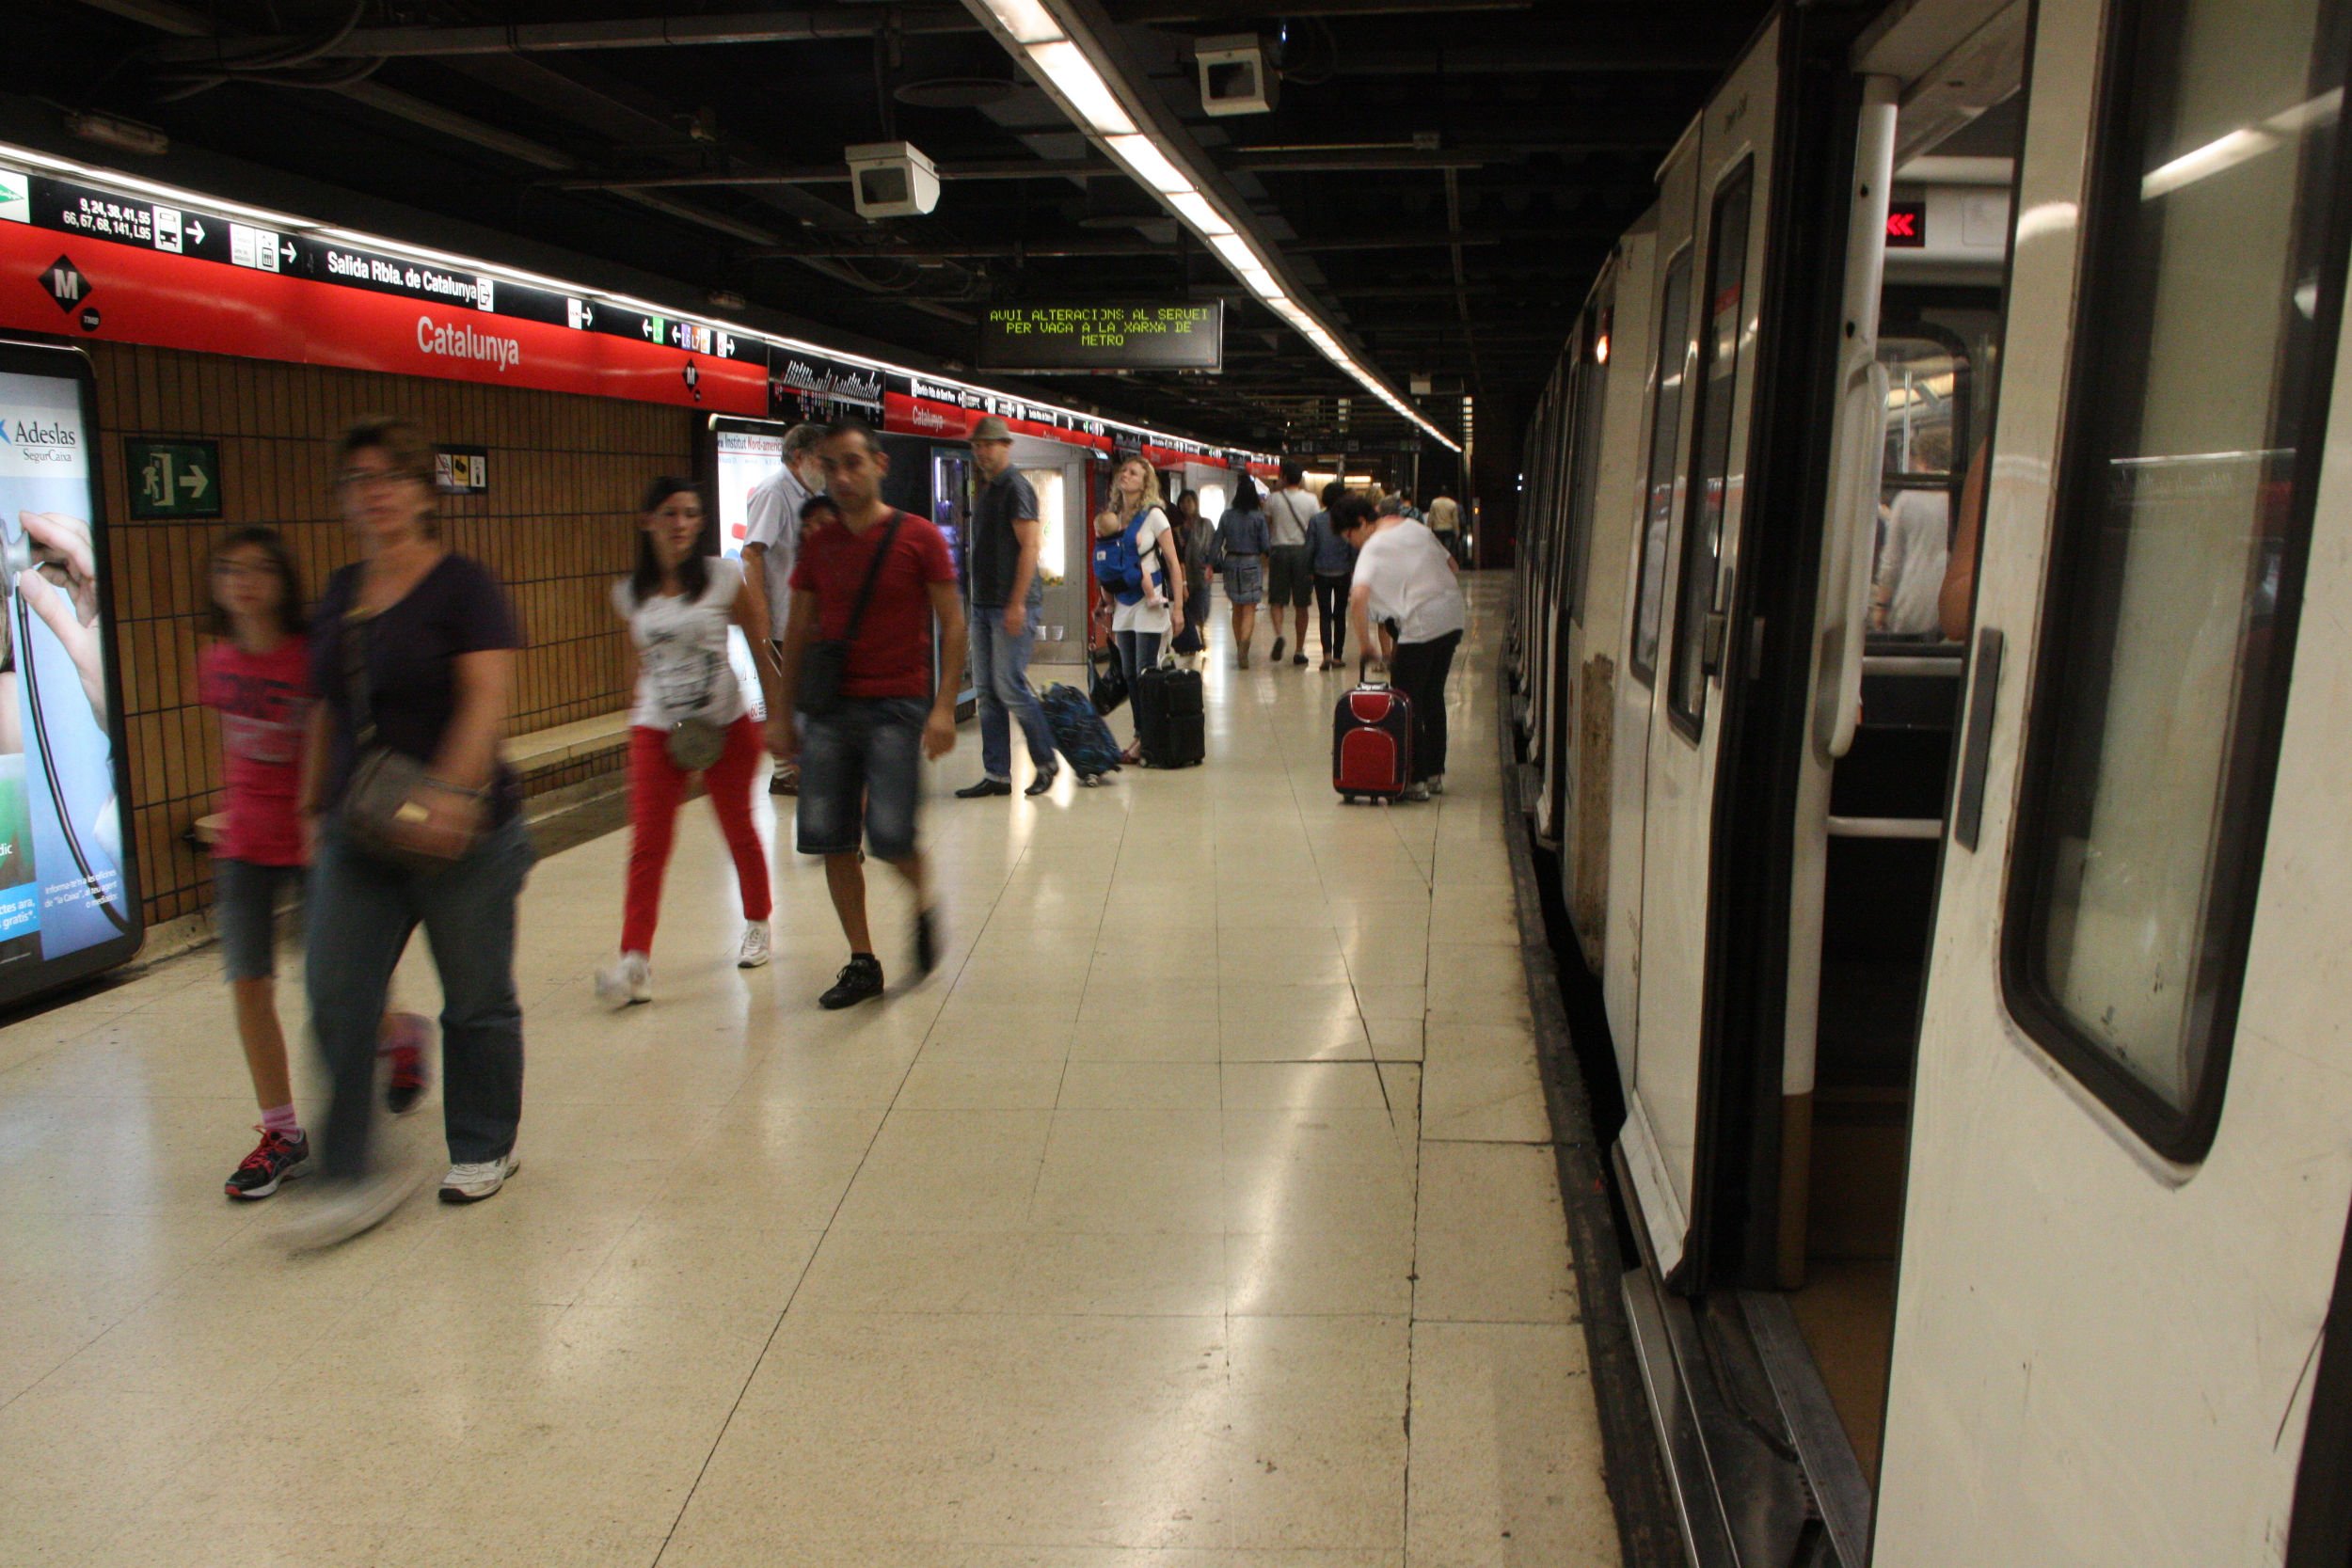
x: 1036, y: 338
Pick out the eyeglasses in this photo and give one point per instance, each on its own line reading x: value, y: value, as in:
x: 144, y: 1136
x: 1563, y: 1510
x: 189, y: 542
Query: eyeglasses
x: 360, y: 479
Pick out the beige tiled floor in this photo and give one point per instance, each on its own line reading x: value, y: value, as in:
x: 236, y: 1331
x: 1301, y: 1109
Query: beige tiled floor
x: 1196, y: 1215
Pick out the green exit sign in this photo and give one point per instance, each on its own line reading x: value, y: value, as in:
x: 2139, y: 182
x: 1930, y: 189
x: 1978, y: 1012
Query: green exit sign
x: 173, y: 478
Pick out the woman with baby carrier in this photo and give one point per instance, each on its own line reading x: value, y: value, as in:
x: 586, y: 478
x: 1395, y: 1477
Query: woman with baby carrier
x: 1136, y: 566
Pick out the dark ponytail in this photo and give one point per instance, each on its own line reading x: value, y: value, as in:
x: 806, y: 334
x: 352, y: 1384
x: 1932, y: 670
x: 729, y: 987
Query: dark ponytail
x: 693, y: 572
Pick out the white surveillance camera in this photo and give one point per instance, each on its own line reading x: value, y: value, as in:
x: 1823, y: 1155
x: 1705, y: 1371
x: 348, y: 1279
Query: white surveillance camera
x: 891, y: 180
x: 1236, y: 78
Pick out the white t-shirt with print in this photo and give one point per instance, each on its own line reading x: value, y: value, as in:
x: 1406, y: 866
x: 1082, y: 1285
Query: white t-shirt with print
x: 1141, y: 615
x: 682, y: 668
x: 1412, y: 582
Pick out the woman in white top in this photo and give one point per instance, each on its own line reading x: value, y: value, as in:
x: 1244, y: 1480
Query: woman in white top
x: 688, y: 716
x: 1139, y: 628
x: 1406, y: 588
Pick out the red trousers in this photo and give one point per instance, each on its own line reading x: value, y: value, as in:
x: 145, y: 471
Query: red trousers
x: 656, y: 786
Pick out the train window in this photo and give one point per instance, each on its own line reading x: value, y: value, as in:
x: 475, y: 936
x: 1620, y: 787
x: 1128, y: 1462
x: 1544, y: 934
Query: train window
x: 1712, y: 478
x: 1665, y: 423
x: 2213, y: 264
x: 1927, y: 430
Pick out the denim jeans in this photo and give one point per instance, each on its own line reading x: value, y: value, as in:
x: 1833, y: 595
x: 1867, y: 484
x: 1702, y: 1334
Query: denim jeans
x: 361, y: 912
x: 861, y: 768
x: 1138, y: 652
x: 1000, y: 672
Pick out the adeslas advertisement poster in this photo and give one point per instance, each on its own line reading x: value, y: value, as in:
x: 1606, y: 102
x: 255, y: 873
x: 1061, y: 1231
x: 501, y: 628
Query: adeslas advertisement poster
x: 65, y: 893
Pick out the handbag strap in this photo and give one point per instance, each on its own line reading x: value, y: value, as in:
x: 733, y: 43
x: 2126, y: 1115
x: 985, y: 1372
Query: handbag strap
x: 353, y: 647
x: 873, y: 570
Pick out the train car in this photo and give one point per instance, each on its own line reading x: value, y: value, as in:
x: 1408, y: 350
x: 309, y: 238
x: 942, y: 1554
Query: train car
x: 1914, y: 684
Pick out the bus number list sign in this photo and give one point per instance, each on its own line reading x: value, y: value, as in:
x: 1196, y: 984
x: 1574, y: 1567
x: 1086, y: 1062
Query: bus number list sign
x: 1040, y: 337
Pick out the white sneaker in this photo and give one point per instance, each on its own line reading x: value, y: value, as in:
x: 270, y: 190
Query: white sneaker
x: 754, y: 952
x: 349, y: 1209
x: 471, y: 1183
x: 1436, y: 783
x: 625, y: 981
x: 1417, y: 792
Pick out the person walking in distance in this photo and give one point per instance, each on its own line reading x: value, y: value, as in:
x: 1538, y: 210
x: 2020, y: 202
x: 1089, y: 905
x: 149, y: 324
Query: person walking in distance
x: 1407, y: 586
x: 1240, y: 542
x: 771, y: 538
x: 1332, y: 560
x: 1007, y: 596
x: 688, y: 716
x: 257, y: 674
x: 412, y: 654
x: 869, y: 583
x: 1445, y: 521
x: 1289, y: 583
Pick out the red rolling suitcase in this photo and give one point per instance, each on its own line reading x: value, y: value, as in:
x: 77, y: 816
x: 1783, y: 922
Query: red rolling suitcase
x: 1371, y: 744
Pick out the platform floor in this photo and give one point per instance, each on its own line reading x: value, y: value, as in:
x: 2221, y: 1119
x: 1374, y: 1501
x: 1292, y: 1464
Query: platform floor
x: 1198, y: 1214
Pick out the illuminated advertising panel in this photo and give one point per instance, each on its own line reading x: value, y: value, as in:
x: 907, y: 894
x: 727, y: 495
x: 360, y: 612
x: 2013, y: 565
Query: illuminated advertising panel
x: 68, y: 879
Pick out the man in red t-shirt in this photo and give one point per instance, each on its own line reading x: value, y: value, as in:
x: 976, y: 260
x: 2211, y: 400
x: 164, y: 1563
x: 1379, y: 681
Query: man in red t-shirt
x: 862, y: 755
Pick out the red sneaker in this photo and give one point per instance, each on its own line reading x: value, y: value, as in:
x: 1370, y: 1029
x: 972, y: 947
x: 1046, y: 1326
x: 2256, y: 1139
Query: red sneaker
x: 407, y: 1037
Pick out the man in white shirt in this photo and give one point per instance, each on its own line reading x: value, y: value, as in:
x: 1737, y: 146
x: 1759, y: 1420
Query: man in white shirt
x: 1290, y: 585
x: 1445, y: 521
x: 1406, y: 588
x: 771, y: 541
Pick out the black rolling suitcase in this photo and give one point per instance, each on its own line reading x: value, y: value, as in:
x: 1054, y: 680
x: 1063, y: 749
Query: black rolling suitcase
x: 1371, y: 744
x: 1171, y: 716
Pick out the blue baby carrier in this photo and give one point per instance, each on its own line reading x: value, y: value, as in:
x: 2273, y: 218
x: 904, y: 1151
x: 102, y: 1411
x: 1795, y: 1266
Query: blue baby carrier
x: 1118, y: 565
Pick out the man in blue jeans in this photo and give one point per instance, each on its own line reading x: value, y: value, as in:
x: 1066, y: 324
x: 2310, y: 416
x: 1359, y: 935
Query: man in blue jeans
x: 1007, y: 598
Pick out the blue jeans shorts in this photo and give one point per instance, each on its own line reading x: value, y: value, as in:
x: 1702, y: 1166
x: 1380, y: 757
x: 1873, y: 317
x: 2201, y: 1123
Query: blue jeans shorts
x: 245, y: 911
x: 862, y: 765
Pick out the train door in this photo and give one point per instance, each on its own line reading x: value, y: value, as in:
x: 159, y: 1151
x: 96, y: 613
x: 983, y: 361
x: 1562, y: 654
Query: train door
x: 2131, y: 1130
x: 1662, y: 337
x: 1725, y: 173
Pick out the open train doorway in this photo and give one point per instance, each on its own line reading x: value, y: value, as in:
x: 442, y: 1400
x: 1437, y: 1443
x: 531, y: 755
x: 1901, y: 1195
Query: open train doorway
x: 1867, y: 852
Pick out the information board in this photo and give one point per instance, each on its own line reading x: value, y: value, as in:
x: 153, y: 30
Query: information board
x: 1044, y: 338
x: 69, y: 872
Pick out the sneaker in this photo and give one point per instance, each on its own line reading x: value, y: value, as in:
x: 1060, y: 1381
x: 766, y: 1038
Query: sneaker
x: 983, y: 790
x: 277, y: 1158
x: 1299, y: 658
x: 348, y: 1208
x: 754, y: 952
x: 925, y: 942
x: 1044, y: 783
x: 1276, y: 657
x: 404, y: 1045
x: 860, y: 978
x: 785, y: 780
x: 1436, y: 783
x: 1417, y: 792
x: 470, y: 1182
x: 625, y: 981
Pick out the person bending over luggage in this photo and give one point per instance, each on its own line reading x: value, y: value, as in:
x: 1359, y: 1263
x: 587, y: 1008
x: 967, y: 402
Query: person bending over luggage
x: 1405, y: 584
x: 870, y: 581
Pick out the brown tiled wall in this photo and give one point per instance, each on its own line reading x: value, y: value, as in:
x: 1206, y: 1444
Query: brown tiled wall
x: 565, y: 476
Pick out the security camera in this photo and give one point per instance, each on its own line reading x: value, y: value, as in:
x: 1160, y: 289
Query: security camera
x: 891, y: 180
x: 1236, y: 78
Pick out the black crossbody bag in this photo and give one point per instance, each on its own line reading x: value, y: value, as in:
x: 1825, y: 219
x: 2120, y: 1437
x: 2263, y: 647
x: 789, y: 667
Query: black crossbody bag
x: 825, y: 664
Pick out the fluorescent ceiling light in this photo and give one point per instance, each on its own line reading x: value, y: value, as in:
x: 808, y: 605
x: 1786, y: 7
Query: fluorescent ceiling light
x: 172, y: 195
x: 1194, y: 209
x: 1074, y: 75
x: 1142, y: 155
x: 1026, y: 20
x: 1236, y: 251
